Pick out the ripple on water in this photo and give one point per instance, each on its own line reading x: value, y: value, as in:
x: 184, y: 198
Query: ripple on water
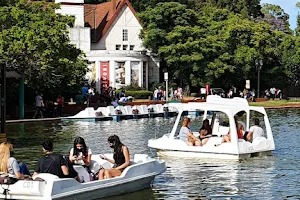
x: 272, y: 177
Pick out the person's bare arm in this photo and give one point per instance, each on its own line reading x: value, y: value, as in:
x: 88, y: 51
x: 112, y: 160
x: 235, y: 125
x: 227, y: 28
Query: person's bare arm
x: 190, y: 134
x: 65, y: 170
x: 87, y: 160
x: 109, y: 160
x: 34, y: 174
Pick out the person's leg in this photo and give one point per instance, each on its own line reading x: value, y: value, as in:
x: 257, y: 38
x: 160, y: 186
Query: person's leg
x: 205, y: 141
x: 101, y: 174
x: 41, y: 112
x: 24, y: 169
x: 198, y: 143
x: 35, y: 113
x: 113, y: 173
x: 249, y: 137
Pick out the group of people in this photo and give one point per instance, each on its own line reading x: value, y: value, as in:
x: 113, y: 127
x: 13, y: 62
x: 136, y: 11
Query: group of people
x: 62, y: 166
x: 52, y: 108
x: 205, y: 132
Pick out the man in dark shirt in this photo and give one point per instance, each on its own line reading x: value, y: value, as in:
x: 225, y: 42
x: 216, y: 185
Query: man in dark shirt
x: 52, y: 163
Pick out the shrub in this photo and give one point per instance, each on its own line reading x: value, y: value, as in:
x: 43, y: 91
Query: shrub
x: 133, y: 87
x: 139, y: 94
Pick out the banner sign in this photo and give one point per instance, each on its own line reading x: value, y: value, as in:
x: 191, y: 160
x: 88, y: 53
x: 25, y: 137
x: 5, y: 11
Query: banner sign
x: 104, y: 74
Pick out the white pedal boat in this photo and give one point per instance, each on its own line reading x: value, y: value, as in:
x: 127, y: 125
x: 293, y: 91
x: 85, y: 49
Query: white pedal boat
x: 89, y: 114
x: 139, y: 175
x: 171, y: 145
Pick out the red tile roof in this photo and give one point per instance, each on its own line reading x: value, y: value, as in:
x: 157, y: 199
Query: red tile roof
x: 101, y: 16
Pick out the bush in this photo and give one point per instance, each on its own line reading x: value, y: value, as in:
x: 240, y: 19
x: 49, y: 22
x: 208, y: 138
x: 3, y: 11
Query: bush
x: 139, y: 94
x: 133, y: 87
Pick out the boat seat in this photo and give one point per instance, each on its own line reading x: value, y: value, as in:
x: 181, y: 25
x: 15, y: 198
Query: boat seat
x: 46, y: 176
x: 223, y: 130
x: 82, y: 173
x: 139, y: 158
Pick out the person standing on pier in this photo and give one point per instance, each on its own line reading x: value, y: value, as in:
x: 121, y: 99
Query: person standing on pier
x: 39, y: 104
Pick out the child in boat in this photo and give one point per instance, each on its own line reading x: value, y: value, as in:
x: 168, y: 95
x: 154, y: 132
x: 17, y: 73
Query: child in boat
x: 80, y: 154
x: 186, y: 135
x: 121, y: 158
x: 205, y: 132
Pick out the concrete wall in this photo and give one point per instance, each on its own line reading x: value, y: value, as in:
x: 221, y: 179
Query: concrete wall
x: 73, y: 10
x: 153, y: 70
x: 80, y: 36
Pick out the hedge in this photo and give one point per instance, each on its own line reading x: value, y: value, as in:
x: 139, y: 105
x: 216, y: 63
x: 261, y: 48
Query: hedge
x: 140, y: 94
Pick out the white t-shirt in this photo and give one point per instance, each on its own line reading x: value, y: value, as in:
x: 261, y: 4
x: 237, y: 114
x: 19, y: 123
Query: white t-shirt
x: 183, y: 133
x: 257, y: 131
x: 38, y: 101
x: 12, y: 166
x: 80, y: 161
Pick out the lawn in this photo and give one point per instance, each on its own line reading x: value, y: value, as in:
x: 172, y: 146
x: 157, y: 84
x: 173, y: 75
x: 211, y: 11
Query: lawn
x: 274, y: 103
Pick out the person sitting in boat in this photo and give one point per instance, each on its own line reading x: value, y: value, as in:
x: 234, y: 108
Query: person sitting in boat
x: 80, y: 154
x: 121, y: 158
x: 186, y: 135
x: 9, y: 165
x: 205, y: 132
x: 240, y: 133
x: 52, y: 163
x: 254, y: 131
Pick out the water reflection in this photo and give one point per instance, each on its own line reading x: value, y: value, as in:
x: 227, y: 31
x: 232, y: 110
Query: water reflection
x: 273, y: 177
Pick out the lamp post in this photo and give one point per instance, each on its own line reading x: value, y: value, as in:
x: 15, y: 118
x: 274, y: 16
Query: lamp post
x: 258, y: 64
x: 166, y: 77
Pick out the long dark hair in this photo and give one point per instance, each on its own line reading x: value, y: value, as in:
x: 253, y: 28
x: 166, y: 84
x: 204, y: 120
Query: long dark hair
x: 114, y: 139
x: 206, y: 126
x: 80, y: 140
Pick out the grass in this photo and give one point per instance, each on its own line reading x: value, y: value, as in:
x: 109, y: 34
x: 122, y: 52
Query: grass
x: 272, y: 103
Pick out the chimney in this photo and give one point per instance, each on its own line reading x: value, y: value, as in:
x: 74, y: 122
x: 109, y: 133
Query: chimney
x: 114, y: 4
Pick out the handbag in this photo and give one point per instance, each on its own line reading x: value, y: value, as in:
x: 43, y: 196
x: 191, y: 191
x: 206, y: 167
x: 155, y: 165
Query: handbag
x: 7, y: 180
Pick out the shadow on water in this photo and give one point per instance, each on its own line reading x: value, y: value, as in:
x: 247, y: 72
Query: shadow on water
x: 273, y: 177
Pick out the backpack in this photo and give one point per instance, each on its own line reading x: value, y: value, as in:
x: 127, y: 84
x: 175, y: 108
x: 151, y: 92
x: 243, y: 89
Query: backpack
x: 6, y: 179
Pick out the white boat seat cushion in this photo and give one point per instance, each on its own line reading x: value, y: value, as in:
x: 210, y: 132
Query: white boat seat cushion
x: 82, y: 173
x: 139, y: 158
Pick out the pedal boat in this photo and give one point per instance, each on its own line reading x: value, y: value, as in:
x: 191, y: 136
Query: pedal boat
x: 215, y: 106
x: 139, y: 175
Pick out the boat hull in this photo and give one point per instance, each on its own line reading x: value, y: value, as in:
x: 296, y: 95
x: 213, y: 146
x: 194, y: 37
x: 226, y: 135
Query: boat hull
x: 127, y: 187
x: 139, y: 175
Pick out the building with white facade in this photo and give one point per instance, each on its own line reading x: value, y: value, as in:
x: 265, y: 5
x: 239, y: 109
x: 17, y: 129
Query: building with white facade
x: 108, y: 33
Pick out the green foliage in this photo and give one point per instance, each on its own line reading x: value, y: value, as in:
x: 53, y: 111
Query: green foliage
x: 133, y: 87
x: 34, y: 42
x: 139, y: 94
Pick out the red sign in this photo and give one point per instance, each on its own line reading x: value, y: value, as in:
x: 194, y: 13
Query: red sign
x: 207, y: 87
x: 104, y: 74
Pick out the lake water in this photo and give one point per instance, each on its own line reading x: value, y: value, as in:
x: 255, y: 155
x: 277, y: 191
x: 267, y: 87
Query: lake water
x: 272, y: 177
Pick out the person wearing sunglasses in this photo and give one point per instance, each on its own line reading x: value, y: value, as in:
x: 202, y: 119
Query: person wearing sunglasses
x: 121, y: 158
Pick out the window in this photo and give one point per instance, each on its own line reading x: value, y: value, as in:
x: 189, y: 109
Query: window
x: 125, y: 35
x: 125, y: 47
x: 131, y: 47
x: 118, y: 47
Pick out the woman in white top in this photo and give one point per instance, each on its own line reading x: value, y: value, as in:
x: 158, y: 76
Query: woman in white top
x: 186, y: 135
x: 80, y: 154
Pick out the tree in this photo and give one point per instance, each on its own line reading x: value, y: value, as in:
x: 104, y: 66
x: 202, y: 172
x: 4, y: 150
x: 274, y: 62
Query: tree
x: 214, y: 45
x: 276, y: 17
x: 34, y: 42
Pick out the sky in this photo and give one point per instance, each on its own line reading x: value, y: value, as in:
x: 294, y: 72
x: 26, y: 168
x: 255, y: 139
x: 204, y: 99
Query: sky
x: 289, y: 7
